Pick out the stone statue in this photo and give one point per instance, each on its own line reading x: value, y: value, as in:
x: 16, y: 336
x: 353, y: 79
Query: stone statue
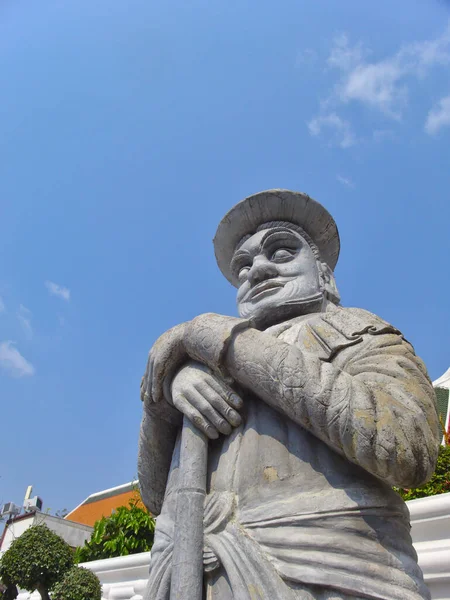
x: 312, y: 413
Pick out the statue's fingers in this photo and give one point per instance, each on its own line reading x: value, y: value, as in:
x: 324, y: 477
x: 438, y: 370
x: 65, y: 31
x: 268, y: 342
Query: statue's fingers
x: 205, y: 404
x: 156, y: 379
x: 143, y: 391
x: 225, y: 392
x: 233, y: 417
x: 217, y: 401
x: 146, y: 380
x: 150, y: 368
x: 195, y: 417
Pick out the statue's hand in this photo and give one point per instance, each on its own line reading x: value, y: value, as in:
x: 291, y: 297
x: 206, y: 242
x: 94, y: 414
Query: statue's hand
x: 205, y: 400
x: 203, y: 339
x: 165, y: 357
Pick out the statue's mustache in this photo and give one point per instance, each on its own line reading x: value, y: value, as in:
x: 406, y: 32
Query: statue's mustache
x: 267, y: 284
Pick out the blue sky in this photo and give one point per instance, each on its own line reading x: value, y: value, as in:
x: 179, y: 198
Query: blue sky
x: 127, y: 130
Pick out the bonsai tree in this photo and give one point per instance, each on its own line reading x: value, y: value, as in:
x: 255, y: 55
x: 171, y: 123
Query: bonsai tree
x: 78, y: 584
x: 36, y: 560
x: 129, y: 530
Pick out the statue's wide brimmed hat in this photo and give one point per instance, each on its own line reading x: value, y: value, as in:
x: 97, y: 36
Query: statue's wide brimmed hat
x: 276, y: 205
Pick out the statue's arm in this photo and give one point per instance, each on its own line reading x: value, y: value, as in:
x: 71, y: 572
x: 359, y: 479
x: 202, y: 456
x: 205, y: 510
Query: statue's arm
x: 157, y: 438
x: 377, y: 408
x: 207, y: 402
x: 373, y: 403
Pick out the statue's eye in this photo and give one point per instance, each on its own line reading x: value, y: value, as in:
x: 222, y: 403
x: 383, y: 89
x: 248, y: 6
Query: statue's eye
x: 242, y: 275
x: 282, y: 254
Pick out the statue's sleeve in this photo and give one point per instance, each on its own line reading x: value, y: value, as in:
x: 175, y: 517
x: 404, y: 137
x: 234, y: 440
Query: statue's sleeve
x: 159, y: 429
x: 373, y: 402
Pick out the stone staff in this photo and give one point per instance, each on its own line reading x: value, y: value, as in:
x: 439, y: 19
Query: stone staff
x: 187, y: 566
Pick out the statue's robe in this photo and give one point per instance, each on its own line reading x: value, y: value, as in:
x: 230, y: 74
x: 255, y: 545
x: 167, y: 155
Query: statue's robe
x: 295, y: 515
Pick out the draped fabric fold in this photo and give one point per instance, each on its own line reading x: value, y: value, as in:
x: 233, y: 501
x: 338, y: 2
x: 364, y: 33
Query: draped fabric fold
x: 338, y: 546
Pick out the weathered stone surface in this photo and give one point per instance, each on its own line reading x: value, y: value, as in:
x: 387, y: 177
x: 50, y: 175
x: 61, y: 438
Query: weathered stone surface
x: 312, y: 411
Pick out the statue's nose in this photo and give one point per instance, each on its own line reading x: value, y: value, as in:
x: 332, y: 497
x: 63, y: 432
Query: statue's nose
x: 261, y: 270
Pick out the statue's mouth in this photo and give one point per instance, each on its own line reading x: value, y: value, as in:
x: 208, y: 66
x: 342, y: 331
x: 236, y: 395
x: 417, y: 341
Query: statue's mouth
x: 264, y: 288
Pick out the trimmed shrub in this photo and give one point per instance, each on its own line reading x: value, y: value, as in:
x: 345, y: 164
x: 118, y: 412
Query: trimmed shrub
x: 36, y: 560
x: 78, y: 584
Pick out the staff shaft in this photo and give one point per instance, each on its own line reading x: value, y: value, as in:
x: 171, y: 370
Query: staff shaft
x: 187, y: 565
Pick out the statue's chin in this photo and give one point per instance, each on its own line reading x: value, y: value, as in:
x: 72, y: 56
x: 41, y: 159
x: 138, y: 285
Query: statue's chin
x: 272, y: 313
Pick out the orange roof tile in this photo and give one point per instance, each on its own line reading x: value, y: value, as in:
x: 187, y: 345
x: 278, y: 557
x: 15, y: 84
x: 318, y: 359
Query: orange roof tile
x: 102, y: 504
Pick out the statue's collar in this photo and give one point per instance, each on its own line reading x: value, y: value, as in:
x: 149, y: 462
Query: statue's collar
x: 276, y: 330
x: 336, y: 328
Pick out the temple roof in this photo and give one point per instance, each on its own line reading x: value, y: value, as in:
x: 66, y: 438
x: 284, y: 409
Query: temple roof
x: 102, y: 504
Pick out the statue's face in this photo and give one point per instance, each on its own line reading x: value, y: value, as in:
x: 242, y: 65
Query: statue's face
x: 278, y: 276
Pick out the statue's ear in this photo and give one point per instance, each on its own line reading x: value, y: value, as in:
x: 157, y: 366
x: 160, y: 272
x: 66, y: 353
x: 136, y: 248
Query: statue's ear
x: 329, y: 281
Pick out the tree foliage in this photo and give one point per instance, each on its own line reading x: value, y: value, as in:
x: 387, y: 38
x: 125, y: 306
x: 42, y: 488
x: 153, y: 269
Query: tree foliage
x: 36, y: 560
x: 438, y: 484
x: 129, y: 530
x: 78, y: 584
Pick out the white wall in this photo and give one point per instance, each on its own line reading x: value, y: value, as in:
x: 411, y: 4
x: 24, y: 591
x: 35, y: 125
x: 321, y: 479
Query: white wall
x: 75, y: 534
x: 122, y: 578
x: 430, y: 530
x: 14, y: 531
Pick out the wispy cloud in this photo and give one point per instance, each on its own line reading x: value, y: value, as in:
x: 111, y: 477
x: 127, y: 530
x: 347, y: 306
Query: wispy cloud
x: 12, y: 362
x: 58, y: 290
x: 341, y: 129
x: 345, y: 57
x: 375, y: 84
x: 383, y: 85
x: 24, y: 316
x: 2, y: 305
x: 345, y: 181
x: 438, y: 116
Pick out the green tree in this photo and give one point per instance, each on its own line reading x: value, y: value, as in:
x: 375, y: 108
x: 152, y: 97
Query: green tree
x: 129, y: 530
x: 36, y: 560
x: 78, y: 584
x: 438, y: 484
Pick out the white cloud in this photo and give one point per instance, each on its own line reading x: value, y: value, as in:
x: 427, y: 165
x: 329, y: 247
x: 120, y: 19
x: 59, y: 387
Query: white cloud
x: 384, y: 85
x: 342, y: 56
x: 58, y: 290
x: 343, y: 135
x: 13, y: 362
x: 345, y: 181
x: 428, y: 54
x: 2, y: 305
x: 438, y: 116
x: 24, y: 316
x: 377, y: 86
